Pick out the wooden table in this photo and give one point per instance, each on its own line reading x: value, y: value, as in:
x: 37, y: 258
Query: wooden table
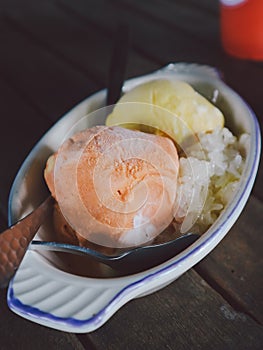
x: 54, y: 53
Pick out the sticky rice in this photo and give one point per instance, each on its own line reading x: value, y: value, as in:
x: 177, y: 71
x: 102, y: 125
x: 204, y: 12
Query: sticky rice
x: 208, y: 177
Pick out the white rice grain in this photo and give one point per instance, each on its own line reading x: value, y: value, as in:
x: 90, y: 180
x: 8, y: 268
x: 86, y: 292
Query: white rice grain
x: 208, y: 178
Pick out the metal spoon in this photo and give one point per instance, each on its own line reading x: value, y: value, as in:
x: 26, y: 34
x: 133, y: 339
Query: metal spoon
x: 15, y: 241
x: 128, y: 261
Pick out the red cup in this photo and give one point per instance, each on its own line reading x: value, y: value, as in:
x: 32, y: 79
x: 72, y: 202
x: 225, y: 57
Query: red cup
x: 242, y: 28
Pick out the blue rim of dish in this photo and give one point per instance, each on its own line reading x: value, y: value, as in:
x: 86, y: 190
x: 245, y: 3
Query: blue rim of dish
x: 102, y: 316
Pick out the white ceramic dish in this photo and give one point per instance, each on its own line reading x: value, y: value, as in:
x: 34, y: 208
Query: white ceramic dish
x: 47, y: 292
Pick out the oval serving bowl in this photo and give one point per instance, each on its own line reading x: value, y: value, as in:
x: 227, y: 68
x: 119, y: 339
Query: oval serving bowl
x: 54, y: 291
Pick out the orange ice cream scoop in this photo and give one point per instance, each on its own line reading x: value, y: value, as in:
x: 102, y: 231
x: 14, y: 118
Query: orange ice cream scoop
x: 115, y: 187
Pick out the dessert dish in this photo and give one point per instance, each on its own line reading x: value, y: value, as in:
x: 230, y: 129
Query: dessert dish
x: 53, y: 293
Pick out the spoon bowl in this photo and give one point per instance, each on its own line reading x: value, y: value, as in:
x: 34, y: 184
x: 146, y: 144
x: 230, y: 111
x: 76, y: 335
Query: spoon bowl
x: 127, y: 261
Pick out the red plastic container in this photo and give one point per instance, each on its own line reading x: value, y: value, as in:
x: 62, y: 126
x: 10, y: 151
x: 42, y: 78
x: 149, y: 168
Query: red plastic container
x: 242, y: 28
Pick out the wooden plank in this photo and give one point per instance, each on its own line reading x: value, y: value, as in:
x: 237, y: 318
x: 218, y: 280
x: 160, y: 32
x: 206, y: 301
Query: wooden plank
x: 235, y: 267
x: 3, y: 222
x: 48, y: 83
x: 207, y: 6
x: 151, y: 38
x: 258, y: 188
x: 182, y: 16
x: 211, y: 6
x: 69, y: 39
x: 138, y: 63
x: 187, y: 314
x: 18, y: 333
x: 21, y: 127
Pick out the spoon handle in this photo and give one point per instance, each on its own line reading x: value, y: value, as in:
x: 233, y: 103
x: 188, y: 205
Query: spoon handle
x: 118, y: 63
x: 15, y: 240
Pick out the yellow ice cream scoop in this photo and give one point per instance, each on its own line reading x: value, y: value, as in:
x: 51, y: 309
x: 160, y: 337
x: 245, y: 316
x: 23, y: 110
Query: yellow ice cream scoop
x: 166, y: 106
